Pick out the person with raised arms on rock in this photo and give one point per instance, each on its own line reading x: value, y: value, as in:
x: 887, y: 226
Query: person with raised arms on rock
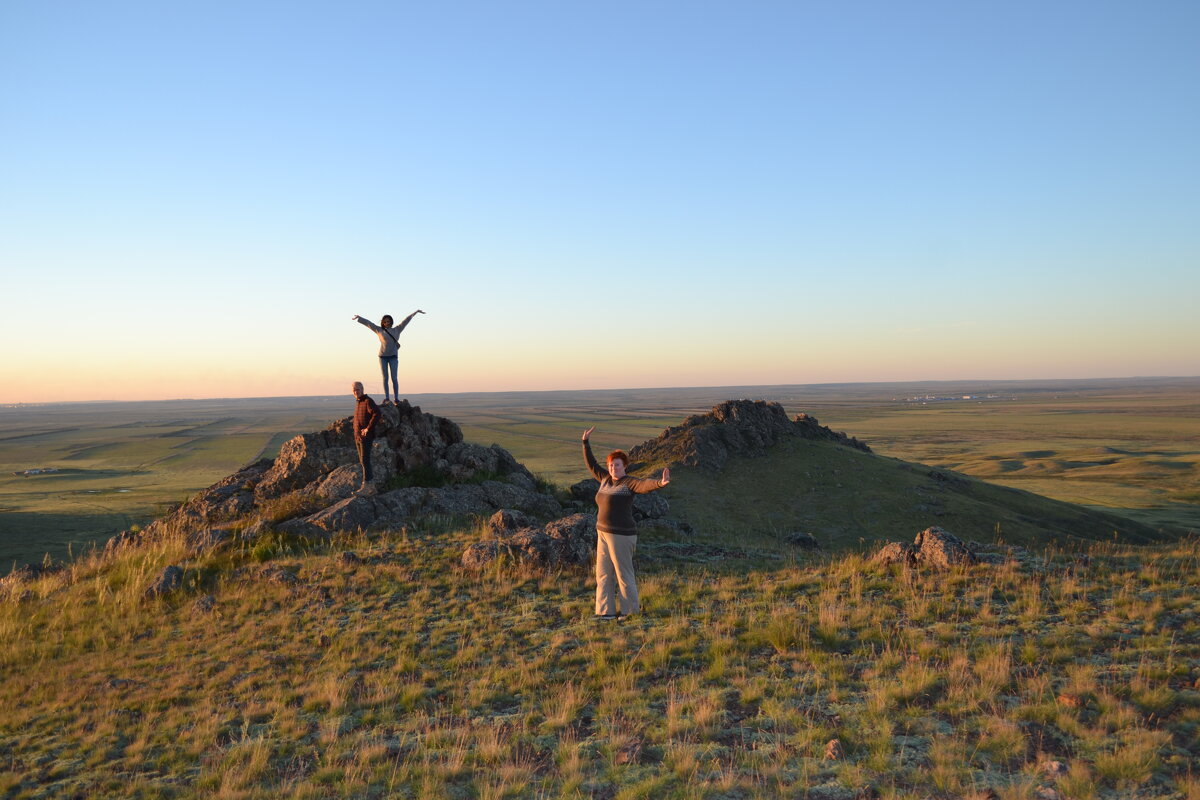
x: 389, y: 344
x: 366, y: 419
x: 616, y: 532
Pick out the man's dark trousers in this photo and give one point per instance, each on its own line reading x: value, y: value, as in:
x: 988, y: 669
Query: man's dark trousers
x: 364, y: 456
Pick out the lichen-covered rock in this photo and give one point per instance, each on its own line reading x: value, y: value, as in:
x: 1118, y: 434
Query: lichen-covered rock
x: 506, y: 521
x: 941, y: 549
x: 206, y: 539
x: 650, y: 506
x: 307, y: 458
x: 339, y: 484
x: 735, y: 427
x: 933, y: 547
x: 394, y: 508
x: 168, y: 581
x: 895, y: 553
x: 585, y: 490
x: 481, y: 555
x: 576, y: 538
x: 563, y: 543
x: 351, y: 514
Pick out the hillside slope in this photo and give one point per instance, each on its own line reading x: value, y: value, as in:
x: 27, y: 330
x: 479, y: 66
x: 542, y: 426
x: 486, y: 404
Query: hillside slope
x: 375, y: 667
x: 745, y: 470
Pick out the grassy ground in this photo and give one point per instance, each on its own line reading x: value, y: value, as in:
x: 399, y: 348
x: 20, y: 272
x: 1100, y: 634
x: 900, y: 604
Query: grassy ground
x: 1132, y: 447
x: 399, y: 675
x: 846, y: 498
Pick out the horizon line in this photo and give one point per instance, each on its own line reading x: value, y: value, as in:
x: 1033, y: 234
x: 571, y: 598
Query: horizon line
x: 824, y: 384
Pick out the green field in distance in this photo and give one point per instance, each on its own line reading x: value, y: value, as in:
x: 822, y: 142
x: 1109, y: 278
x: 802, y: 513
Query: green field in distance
x: 1130, y: 446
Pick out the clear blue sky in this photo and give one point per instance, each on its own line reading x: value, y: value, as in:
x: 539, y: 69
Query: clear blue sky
x: 195, y: 197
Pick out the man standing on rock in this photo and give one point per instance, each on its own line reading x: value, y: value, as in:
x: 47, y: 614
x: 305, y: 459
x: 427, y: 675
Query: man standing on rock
x: 616, y: 532
x: 366, y: 417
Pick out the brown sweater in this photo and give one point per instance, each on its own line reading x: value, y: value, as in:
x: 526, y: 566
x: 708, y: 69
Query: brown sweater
x: 366, y: 415
x: 614, y: 501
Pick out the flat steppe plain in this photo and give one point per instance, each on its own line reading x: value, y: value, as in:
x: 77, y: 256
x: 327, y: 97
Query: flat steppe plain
x: 1131, y: 446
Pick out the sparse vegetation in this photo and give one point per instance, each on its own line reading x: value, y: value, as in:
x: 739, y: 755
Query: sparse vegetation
x: 282, y: 666
x: 398, y: 674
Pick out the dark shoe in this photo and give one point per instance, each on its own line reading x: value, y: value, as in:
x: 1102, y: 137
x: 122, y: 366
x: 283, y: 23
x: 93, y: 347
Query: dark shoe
x: 607, y: 617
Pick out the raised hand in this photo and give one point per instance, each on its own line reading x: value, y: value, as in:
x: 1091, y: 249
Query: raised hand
x: 355, y: 318
x: 588, y: 432
x: 666, y: 476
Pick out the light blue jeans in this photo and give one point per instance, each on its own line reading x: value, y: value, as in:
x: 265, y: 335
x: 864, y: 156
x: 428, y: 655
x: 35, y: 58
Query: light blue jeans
x: 391, y: 363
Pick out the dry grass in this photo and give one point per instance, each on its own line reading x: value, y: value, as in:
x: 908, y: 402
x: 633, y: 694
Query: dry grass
x: 404, y: 676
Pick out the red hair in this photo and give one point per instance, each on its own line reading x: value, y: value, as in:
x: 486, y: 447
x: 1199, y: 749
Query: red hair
x: 615, y: 454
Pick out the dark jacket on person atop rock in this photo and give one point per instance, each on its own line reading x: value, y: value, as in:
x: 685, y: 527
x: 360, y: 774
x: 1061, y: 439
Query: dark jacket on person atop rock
x: 366, y: 415
x: 614, y: 501
x: 388, y: 337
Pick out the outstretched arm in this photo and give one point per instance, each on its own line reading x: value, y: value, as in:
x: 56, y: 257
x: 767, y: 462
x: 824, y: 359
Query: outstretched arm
x: 407, y: 320
x: 590, y: 460
x: 646, y: 485
x: 365, y: 321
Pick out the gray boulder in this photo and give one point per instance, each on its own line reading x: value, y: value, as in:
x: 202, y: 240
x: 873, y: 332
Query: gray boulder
x: 168, y: 581
x: 506, y: 521
x: 308, y: 457
x: 895, y: 553
x: 650, y: 506
x: 339, y: 484
x: 210, y: 538
x: 585, y: 490
x: 941, y: 549
x: 563, y: 543
x: 482, y: 555
x: 933, y: 547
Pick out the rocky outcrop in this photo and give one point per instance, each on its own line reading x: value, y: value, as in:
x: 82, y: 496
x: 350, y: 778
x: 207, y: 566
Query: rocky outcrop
x: 563, y: 543
x: 395, y: 507
x: 735, y: 427
x: 933, y: 547
x: 423, y: 456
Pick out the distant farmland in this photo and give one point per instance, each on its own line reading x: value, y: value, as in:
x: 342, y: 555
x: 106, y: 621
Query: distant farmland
x: 1129, y: 446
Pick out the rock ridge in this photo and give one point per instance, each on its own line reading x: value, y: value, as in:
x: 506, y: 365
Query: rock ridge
x: 734, y: 427
x: 419, y: 459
